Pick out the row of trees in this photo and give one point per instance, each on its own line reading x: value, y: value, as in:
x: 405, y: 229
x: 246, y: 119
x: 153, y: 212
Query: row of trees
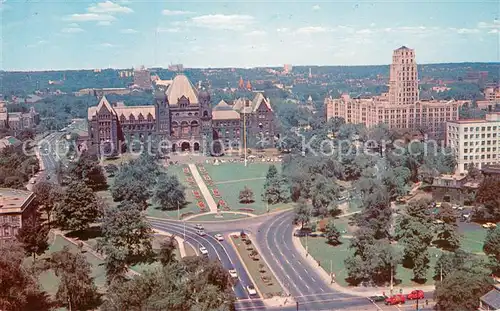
x: 16, y: 167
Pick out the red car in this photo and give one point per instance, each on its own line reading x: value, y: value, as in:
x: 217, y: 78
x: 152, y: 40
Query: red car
x: 416, y: 294
x: 395, y: 300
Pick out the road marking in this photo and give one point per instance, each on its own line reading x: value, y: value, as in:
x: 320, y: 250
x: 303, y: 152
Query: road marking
x: 312, y: 278
x: 376, y: 305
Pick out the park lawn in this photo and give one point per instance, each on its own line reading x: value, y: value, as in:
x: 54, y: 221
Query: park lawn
x: 49, y: 281
x: 212, y: 217
x: 269, y: 289
x: 190, y: 208
x: 121, y: 159
x: 235, y: 171
x: 473, y: 240
x: 324, y: 252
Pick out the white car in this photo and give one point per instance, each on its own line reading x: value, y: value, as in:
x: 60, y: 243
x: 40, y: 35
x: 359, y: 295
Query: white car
x: 200, y: 232
x: 233, y: 273
x: 219, y: 237
x: 251, y: 290
x: 489, y: 225
x: 203, y: 251
x: 199, y: 227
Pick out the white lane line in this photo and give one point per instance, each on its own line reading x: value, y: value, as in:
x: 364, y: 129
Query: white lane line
x: 312, y: 278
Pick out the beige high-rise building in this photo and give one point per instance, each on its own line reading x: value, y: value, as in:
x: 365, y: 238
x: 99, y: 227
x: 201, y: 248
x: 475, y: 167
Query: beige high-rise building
x: 403, y: 79
x: 400, y: 108
x: 475, y: 141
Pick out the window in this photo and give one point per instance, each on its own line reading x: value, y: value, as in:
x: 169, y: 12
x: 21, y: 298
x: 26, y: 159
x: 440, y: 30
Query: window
x: 465, y: 157
x: 466, y: 136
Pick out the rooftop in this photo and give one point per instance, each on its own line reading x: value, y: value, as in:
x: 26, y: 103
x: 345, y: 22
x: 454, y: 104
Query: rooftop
x: 492, y: 298
x: 14, y: 199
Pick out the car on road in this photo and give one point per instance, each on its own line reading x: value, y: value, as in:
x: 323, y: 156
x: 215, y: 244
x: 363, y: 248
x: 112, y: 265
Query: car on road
x: 299, y: 233
x: 219, y: 237
x: 233, y: 273
x: 489, y: 225
x: 378, y: 298
x: 203, y: 251
x: 200, y: 232
x: 395, y: 300
x: 251, y: 290
x: 33, y: 181
x: 341, y: 198
x: 415, y: 294
x: 199, y: 227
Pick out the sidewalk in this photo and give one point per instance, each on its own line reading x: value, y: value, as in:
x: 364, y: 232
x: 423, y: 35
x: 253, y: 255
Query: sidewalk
x: 350, y: 290
x: 203, y: 188
x: 180, y: 241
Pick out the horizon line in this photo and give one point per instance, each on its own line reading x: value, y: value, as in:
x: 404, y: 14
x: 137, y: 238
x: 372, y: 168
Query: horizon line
x: 244, y: 68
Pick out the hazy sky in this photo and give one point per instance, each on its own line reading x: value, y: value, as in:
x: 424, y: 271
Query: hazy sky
x: 71, y: 34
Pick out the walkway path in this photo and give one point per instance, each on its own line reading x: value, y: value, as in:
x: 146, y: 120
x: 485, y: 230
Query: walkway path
x: 238, y: 180
x: 221, y: 213
x: 203, y: 188
x: 180, y: 241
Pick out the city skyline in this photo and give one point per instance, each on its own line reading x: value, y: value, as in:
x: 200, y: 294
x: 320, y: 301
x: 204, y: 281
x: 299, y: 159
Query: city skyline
x: 122, y: 34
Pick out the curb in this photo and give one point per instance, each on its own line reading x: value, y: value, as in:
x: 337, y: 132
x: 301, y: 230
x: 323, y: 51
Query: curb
x: 244, y: 264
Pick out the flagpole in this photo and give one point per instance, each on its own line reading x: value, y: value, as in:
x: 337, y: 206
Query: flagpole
x: 245, y: 134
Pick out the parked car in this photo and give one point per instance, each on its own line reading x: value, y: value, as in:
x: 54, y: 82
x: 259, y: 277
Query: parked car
x: 415, y: 294
x: 199, y: 227
x: 395, y: 300
x: 489, y: 225
x: 251, y: 290
x: 299, y: 233
x: 203, y: 251
x: 219, y: 237
x: 200, y: 232
x: 233, y: 273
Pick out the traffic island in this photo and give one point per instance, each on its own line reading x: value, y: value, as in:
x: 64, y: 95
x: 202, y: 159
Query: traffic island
x: 259, y: 272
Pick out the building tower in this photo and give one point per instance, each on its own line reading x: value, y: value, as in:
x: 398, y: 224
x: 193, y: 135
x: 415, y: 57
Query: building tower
x: 249, y: 85
x: 310, y: 73
x: 206, y: 121
x: 241, y: 84
x: 403, y: 78
x: 162, y: 113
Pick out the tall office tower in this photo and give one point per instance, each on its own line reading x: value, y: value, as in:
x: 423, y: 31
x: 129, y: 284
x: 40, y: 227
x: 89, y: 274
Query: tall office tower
x: 403, y: 79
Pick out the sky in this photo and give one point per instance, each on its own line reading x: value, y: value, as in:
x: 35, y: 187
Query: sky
x: 71, y: 34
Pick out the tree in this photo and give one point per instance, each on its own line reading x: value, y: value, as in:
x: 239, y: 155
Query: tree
x: 324, y: 194
x: 20, y: 290
x: 302, y: 212
x: 88, y: 170
x: 277, y: 191
x: 191, y: 284
x: 377, y: 213
x: 473, y: 173
x: 491, y: 248
x: 272, y: 173
x: 169, y: 192
x: 461, y: 290
x: 167, y: 251
x: 487, y: 195
x: 332, y: 233
x: 79, y: 207
x: 34, y: 236
x: 447, y: 235
x: 126, y: 233
x: 132, y: 184
x: 47, y: 195
x: 76, y: 290
x: 246, y: 195
x: 449, y: 262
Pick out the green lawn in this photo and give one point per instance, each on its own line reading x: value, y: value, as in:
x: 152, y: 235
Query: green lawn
x: 324, y: 252
x: 212, y: 217
x: 473, y: 240
x: 192, y: 205
x: 269, y: 289
x: 50, y: 281
x: 231, y: 178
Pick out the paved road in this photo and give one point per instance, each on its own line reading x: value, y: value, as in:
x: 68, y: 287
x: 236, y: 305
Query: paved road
x: 221, y: 251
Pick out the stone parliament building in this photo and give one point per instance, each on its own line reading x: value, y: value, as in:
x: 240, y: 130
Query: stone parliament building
x: 182, y: 116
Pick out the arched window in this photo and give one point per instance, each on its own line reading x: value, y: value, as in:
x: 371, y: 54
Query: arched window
x: 205, y: 113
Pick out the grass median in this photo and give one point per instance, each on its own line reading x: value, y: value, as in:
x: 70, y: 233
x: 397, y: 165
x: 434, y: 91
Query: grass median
x: 259, y: 272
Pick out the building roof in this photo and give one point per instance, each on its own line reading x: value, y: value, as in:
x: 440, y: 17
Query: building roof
x: 243, y: 105
x: 126, y: 111
x: 14, y: 200
x: 492, y: 298
x: 225, y: 115
x: 222, y: 105
x: 9, y: 141
x: 163, y: 82
x: 181, y: 86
